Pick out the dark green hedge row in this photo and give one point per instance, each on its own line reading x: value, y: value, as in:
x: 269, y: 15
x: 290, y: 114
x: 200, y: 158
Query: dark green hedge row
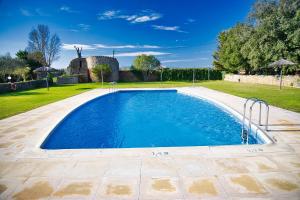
x: 187, y: 74
x: 179, y: 74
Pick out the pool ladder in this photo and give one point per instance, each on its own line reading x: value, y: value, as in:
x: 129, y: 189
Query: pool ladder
x: 113, y: 86
x: 245, y: 133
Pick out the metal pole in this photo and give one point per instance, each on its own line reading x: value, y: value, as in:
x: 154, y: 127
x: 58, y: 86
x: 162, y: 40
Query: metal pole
x: 259, y: 122
x: 207, y: 73
x: 193, y: 77
x: 47, y: 81
x: 280, y: 78
x: 267, y: 119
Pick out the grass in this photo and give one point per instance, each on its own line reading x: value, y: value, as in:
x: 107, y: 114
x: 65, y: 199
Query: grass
x: 13, y: 103
x: 17, y: 102
x: 287, y: 98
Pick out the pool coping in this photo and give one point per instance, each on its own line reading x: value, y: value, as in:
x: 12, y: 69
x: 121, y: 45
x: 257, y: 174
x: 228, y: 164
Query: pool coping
x: 255, y: 128
x: 267, y: 147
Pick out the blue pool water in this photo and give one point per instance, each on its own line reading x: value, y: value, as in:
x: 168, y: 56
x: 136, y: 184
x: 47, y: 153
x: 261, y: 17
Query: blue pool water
x: 157, y: 118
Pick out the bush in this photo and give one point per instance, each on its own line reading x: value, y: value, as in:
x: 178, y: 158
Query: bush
x: 178, y: 74
x: 187, y: 74
x: 101, y: 71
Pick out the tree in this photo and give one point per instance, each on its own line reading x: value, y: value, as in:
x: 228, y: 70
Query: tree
x: 22, y: 54
x: 22, y: 72
x: 146, y: 63
x: 229, y: 56
x: 8, y: 65
x: 101, y: 71
x: 48, y: 45
x: 33, y: 60
x: 271, y: 33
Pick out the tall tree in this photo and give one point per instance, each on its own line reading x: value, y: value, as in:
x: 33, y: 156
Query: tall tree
x: 33, y: 60
x: 40, y: 40
x: 146, y: 63
x: 272, y: 32
x: 8, y: 65
x: 229, y: 56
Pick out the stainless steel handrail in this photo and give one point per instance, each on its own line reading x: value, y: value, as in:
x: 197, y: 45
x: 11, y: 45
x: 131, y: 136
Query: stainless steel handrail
x: 245, y: 133
x: 113, y: 86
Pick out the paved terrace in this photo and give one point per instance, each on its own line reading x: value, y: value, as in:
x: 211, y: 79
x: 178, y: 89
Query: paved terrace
x: 269, y: 171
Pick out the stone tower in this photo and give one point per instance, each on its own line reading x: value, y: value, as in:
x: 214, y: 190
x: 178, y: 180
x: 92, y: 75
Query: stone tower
x: 89, y: 62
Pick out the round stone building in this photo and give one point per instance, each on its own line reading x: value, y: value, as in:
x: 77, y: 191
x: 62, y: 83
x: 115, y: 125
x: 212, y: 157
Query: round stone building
x: 89, y: 62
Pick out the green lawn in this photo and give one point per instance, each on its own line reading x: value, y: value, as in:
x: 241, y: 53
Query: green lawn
x: 287, y: 98
x: 18, y: 102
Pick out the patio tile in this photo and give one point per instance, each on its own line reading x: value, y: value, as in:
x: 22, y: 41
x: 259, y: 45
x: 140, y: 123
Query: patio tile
x: 8, y: 185
x: 281, y: 183
x: 35, y: 188
x: 160, y: 188
x: 203, y: 188
x: 118, y: 188
x: 76, y: 189
x: 192, y: 166
x: 88, y: 169
x: 287, y: 161
x: 260, y: 164
x: 4, y: 166
x: 20, y: 169
x: 124, y: 168
x: 243, y: 185
x: 158, y: 167
x: 52, y: 168
x: 230, y: 166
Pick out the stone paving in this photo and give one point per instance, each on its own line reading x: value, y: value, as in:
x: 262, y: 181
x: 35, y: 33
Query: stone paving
x: 268, y: 171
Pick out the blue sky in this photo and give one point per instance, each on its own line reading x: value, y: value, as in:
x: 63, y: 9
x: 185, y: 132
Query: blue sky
x: 179, y: 33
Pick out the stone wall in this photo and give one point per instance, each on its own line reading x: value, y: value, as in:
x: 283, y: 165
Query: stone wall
x: 111, y: 62
x: 74, y: 68
x: 6, y: 87
x: 89, y: 62
x: 289, y: 81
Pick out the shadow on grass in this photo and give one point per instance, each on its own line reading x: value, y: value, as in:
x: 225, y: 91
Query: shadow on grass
x: 23, y: 93
x: 86, y: 88
x: 64, y: 85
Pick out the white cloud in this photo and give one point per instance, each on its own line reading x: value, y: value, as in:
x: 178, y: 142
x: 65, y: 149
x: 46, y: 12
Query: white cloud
x: 71, y: 46
x: 84, y: 27
x: 103, y: 46
x: 67, y: 9
x: 80, y: 27
x: 190, y: 20
x: 126, y: 46
x: 25, y: 12
x: 133, y: 54
x: 183, y: 60
x: 168, y: 28
x: 40, y: 12
x: 33, y: 12
x: 144, y: 16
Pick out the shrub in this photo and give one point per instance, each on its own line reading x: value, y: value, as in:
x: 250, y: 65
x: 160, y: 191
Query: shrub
x: 101, y: 71
x: 187, y: 74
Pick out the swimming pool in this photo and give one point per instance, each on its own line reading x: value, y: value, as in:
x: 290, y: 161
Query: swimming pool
x: 146, y: 118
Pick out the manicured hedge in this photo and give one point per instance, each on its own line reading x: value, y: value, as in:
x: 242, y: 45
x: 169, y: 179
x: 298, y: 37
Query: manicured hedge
x: 187, y: 74
x: 175, y: 74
